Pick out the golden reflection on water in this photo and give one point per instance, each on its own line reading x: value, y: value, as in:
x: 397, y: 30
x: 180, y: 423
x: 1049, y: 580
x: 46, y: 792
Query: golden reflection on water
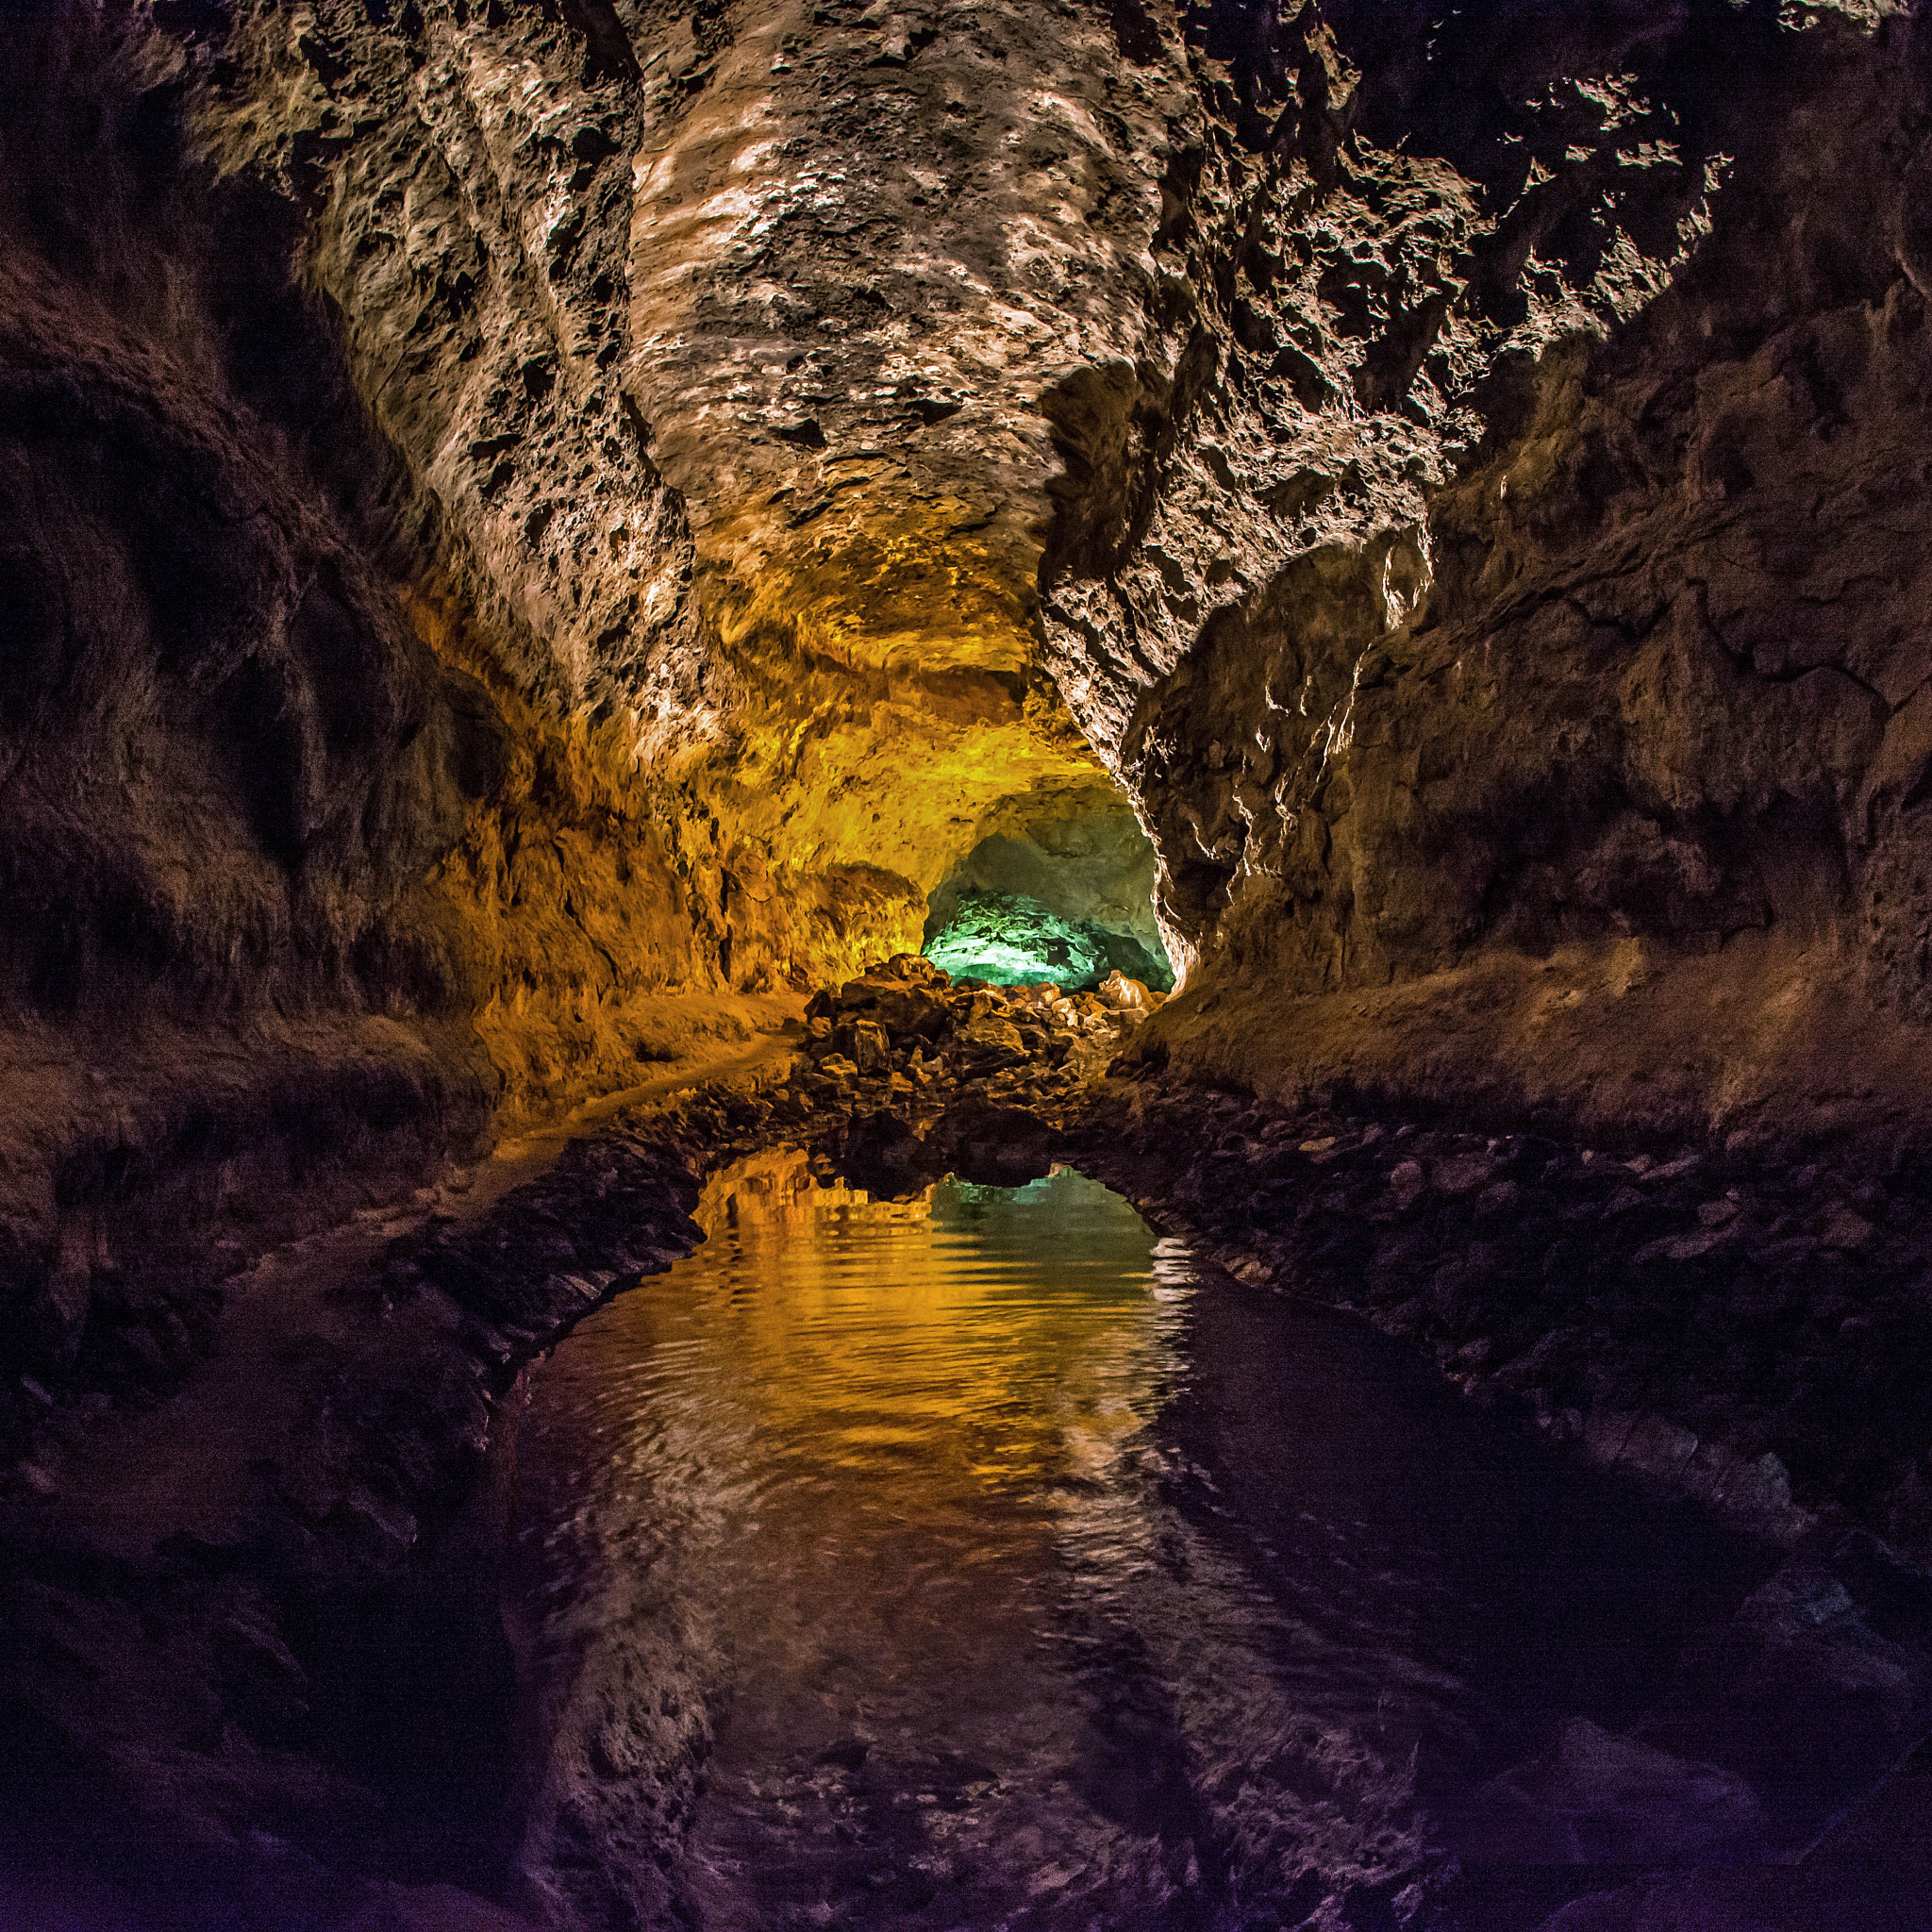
x: 960, y: 1563
x: 774, y: 1193
x: 935, y: 1325
x: 816, y: 1500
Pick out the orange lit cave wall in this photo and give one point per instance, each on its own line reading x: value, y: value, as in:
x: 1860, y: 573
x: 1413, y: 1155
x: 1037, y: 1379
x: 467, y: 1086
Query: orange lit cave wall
x: 599, y: 913
x: 739, y: 687
x: 555, y: 915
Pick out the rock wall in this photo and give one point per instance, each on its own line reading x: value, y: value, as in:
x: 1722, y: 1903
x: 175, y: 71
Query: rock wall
x: 1509, y: 622
x: 226, y: 762
x: 621, y: 288
x: 519, y: 510
x: 417, y: 670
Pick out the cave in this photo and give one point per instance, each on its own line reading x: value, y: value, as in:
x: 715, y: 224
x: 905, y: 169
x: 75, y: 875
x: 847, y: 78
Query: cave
x: 965, y: 965
x: 1064, y: 901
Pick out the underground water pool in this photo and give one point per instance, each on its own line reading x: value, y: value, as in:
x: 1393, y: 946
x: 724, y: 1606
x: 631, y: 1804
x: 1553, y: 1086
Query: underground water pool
x: 980, y: 1560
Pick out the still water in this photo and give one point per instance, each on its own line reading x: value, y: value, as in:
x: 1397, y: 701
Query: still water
x: 980, y: 1562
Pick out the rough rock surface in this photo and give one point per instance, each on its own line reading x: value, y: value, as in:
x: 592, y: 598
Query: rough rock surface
x: 519, y: 509
x: 597, y: 346
x: 226, y: 764
x: 519, y: 512
x: 1529, y: 589
x: 1013, y: 940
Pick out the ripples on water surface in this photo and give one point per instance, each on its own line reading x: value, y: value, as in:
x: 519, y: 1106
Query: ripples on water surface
x: 970, y: 1563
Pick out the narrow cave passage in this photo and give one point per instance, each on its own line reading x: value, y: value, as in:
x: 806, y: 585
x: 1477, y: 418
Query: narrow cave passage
x: 1067, y: 899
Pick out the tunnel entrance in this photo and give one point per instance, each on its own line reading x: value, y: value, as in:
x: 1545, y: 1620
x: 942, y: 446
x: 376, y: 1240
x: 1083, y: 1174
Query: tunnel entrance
x: 1067, y: 899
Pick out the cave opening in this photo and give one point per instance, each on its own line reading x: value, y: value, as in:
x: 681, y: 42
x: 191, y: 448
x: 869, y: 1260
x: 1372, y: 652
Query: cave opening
x: 1065, y: 897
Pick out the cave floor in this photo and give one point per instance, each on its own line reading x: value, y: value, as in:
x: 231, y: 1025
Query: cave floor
x: 276, y: 1592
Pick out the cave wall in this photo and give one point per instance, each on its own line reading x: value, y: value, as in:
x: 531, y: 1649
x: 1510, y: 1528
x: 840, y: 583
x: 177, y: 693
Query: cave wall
x: 1510, y: 620
x: 396, y: 714
x: 519, y: 512
x: 1095, y: 866
x: 227, y: 760
x: 857, y: 423
x: 621, y: 286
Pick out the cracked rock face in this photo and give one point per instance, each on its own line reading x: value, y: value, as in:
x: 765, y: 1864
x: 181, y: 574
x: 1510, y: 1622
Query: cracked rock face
x: 1528, y: 586
x: 1456, y: 477
x: 519, y: 510
x: 723, y: 401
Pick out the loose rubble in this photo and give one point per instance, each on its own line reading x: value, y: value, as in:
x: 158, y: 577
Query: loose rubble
x: 907, y: 1025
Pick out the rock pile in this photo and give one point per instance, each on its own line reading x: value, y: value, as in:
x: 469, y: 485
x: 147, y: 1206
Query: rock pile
x: 906, y: 1032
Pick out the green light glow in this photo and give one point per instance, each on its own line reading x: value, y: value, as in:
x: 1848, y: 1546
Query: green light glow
x: 1011, y: 941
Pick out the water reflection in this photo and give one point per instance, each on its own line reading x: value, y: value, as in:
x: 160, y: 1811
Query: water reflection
x: 943, y: 1564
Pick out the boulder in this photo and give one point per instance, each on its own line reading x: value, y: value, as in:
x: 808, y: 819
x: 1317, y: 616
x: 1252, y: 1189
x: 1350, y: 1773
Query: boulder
x: 1125, y: 995
x: 1595, y: 1798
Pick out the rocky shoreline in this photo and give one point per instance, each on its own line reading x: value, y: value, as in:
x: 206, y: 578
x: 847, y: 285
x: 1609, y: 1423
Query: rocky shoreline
x: 240, y: 1713
x: 1744, y: 1334
x: 304, y: 1715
